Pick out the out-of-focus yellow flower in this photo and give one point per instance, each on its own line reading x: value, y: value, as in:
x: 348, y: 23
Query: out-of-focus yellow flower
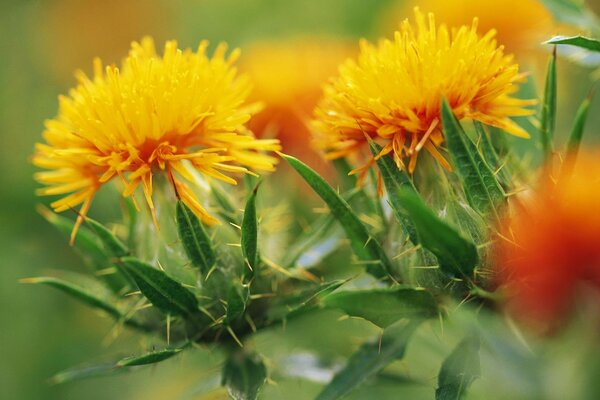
x: 521, y: 25
x: 393, y: 92
x: 288, y: 76
x: 551, y: 244
x: 180, y: 113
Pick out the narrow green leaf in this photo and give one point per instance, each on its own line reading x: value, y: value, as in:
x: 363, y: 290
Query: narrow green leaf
x: 88, y: 247
x: 244, y: 374
x: 78, y: 373
x: 164, y: 293
x: 577, y: 41
x: 459, y: 370
x: 150, y: 358
x: 577, y: 131
x: 195, y: 240
x: 114, y: 246
x: 236, y: 303
x: 457, y: 256
x: 369, y: 360
x: 364, y: 245
x: 548, y: 112
x: 77, y: 292
x: 394, y: 180
x: 85, y: 296
x: 383, y: 307
x: 483, y: 191
x: 112, y: 368
x: 250, y: 235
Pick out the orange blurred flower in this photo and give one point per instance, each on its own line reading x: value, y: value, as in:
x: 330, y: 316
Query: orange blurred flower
x: 552, y: 244
x: 288, y: 77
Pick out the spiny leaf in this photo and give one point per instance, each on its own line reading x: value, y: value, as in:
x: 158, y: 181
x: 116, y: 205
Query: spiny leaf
x: 93, y: 371
x: 78, y: 373
x: 164, y: 293
x: 394, y: 180
x: 365, y: 247
x: 244, y: 374
x: 85, y: 297
x: 250, y: 235
x: 481, y: 186
x: 457, y: 256
x: 369, y: 360
x: 150, y: 358
x: 77, y: 292
x: 548, y: 115
x: 195, y: 240
x: 114, y: 246
x: 383, y: 307
x: 88, y: 247
x: 459, y: 370
x: 578, y: 41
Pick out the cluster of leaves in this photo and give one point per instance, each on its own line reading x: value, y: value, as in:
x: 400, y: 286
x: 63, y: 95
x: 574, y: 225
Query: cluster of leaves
x: 424, y: 245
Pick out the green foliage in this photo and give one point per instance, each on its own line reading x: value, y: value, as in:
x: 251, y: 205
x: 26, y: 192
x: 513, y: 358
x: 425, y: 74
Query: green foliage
x: 548, y: 112
x: 78, y: 293
x: 195, y: 240
x: 250, y: 236
x: 237, y: 299
x: 481, y: 186
x: 364, y: 245
x: 113, y: 245
x: 165, y: 293
x: 395, y: 180
x: 244, y: 374
x: 577, y: 41
x: 150, y: 358
x: 384, y: 307
x: 369, y: 360
x: 459, y: 370
x: 457, y: 256
x: 89, y: 248
x: 577, y: 132
x: 301, y: 301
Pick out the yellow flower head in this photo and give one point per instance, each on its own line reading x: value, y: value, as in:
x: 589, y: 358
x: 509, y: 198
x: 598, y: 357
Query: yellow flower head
x: 393, y: 91
x: 521, y: 25
x: 179, y: 113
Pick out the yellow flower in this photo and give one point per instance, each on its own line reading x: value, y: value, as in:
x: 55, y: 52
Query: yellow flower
x: 521, y: 25
x: 393, y: 92
x: 179, y: 113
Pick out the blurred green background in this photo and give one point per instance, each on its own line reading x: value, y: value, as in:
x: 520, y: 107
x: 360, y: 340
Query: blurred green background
x: 42, y: 43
